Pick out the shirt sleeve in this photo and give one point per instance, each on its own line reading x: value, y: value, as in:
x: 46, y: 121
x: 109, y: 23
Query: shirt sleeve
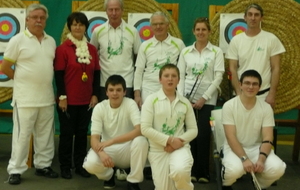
x: 147, y: 118
x: 97, y: 122
x: 94, y: 38
x: 137, y: 42
x: 135, y: 114
x: 232, y: 51
x: 11, y: 52
x: 182, y: 70
x: 139, y: 70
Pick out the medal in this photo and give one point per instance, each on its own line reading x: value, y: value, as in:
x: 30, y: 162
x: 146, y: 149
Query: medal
x: 84, y: 77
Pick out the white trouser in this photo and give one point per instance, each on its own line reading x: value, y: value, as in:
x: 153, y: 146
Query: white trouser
x: 131, y: 154
x: 233, y: 168
x: 40, y: 122
x: 172, y: 171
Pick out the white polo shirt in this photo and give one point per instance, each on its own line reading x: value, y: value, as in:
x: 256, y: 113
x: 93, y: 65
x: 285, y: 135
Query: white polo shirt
x: 33, y: 69
x: 211, y: 63
x: 161, y: 119
x: 255, y: 53
x: 152, y: 56
x: 115, y: 49
x: 111, y: 122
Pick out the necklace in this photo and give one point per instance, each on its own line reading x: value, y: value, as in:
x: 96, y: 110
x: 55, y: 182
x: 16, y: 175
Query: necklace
x: 82, y: 51
x: 118, y: 51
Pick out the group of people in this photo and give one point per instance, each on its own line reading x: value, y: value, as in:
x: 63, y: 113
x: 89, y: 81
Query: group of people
x: 155, y: 100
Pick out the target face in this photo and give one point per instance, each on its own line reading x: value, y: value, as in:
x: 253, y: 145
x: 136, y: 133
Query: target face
x: 144, y: 29
x: 9, y: 26
x: 3, y: 77
x: 233, y: 28
x: 94, y: 22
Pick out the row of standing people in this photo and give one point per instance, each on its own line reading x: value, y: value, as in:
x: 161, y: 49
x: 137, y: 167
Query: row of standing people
x: 202, y: 61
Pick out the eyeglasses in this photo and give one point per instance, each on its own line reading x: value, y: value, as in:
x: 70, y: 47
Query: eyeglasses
x: 42, y: 18
x: 253, y: 84
x: 158, y: 24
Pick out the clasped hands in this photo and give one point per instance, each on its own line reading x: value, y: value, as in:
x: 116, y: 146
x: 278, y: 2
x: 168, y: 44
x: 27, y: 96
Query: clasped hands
x: 174, y: 143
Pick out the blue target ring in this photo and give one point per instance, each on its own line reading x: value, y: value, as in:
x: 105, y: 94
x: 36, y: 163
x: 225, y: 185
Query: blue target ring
x: 9, y: 26
x: 144, y: 29
x: 3, y: 77
x: 233, y: 28
x: 94, y: 22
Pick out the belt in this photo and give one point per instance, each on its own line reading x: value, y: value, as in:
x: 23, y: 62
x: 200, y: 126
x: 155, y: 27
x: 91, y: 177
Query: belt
x: 262, y: 91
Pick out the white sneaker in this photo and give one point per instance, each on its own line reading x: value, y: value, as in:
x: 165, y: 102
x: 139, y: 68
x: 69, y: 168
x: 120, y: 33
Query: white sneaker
x: 121, y: 174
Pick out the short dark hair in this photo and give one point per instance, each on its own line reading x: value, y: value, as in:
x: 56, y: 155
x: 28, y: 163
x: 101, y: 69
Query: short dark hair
x: 251, y: 73
x: 202, y: 20
x: 79, y: 17
x: 114, y: 80
x: 168, y: 66
x: 256, y: 6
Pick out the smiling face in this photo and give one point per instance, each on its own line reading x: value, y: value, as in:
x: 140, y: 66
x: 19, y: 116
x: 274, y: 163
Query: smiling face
x: 36, y: 22
x: 253, y: 18
x: 77, y: 30
x: 169, y: 79
x: 115, y: 94
x: 201, y: 32
x: 159, y: 26
x: 250, y: 86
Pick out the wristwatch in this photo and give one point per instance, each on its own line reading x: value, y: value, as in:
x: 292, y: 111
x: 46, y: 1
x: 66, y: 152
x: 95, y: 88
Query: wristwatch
x: 244, y: 158
x: 62, y: 97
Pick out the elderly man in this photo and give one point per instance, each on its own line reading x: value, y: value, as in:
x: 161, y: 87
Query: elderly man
x: 153, y: 54
x: 32, y: 54
x: 117, y: 43
x: 259, y: 50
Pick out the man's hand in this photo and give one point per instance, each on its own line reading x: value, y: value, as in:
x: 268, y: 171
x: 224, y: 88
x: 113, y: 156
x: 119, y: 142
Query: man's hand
x: 169, y: 148
x: 63, y: 105
x: 104, y: 144
x: 270, y: 99
x: 259, y: 166
x: 106, y: 159
x: 138, y: 101
x: 176, y: 143
x: 93, y: 101
x: 248, y: 166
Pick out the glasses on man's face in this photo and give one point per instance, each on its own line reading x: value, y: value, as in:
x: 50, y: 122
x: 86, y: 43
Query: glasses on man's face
x: 248, y: 84
x: 42, y: 18
x: 160, y: 24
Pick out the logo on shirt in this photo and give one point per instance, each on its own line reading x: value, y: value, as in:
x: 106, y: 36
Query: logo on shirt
x: 158, y: 66
x: 260, y: 49
x: 167, y: 127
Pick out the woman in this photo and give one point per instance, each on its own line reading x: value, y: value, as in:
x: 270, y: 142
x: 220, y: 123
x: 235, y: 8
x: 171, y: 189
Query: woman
x: 169, y: 123
x: 201, y: 68
x: 77, y: 75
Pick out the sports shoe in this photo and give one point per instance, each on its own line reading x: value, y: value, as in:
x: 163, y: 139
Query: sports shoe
x: 47, y: 172
x: 133, y: 186
x: 110, y: 184
x: 66, y: 173
x: 14, y: 179
x: 203, y: 180
x: 121, y: 174
x: 193, y: 179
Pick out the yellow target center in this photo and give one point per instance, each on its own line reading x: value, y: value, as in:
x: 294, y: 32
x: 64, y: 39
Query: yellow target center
x: 239, y: 31
x: 146, y: 32
x: 5, y: 27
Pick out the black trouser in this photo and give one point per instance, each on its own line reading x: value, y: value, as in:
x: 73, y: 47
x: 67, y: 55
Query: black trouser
x: 200, y: 146
x: 73, y: 122
x: 102, y: 96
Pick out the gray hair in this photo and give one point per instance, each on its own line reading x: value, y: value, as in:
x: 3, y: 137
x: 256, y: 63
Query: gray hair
x: 120, y: 1
x: 33, y: 7
x: 158, y: 13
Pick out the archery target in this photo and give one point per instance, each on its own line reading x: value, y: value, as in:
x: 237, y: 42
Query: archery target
x: 9, y: 26
x: 231, y: 24
x: 94, y: 22
x: 144, y: 29
x: 141, y: 21
x: 96, y: 18
x: 233, y: 28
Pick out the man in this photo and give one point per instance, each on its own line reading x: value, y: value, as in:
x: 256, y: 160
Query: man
x: 32, y: 54
x: 116, y: 139
x: 153, y: 54
x: 248, y: 124
x: 259, y: 50
x: 116, y: 42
